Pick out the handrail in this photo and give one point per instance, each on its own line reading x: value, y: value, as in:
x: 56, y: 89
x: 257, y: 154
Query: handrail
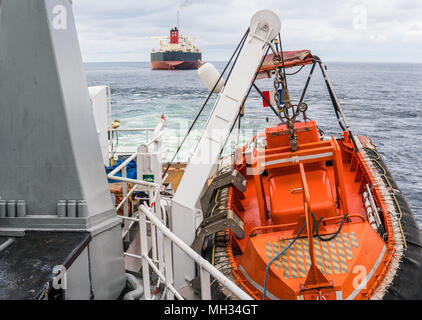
x: 287, y: 150
x: 164, y: 272
x: 156, y: 137
x: 158, y: 272
x: 120, y: 167
x: 141, y: 182
x: 154, y: 188
x: 356, y: 215
x: 125, y: 198
x: 251, y: 233
x: 132, y: 129
x: 133, y: 156
x: 290, y: 158
x: 220, y: 277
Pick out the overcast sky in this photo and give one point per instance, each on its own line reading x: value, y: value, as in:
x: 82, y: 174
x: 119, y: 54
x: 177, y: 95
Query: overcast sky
x: 346, y: 30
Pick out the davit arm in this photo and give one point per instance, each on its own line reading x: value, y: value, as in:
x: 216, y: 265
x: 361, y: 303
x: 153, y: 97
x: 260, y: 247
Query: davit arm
x: 264, y: 27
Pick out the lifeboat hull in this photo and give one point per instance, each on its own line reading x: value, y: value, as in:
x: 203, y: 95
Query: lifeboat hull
x: 334, y: 186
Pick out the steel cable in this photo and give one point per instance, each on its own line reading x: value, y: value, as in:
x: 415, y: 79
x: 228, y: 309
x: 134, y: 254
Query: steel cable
x: 239, y: 47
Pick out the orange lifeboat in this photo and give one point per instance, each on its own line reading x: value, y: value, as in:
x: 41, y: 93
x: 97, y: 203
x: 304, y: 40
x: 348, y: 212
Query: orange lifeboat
x: 323, y: 220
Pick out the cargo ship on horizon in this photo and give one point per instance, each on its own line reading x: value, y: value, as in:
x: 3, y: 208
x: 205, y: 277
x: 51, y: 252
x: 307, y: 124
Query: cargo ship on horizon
x: 176, y: 52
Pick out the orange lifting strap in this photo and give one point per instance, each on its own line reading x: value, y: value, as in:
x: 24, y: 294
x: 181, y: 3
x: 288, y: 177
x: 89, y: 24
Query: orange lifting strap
x: 315, y: 278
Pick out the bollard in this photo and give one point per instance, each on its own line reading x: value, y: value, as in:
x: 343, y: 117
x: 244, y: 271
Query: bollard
x: 11, y: 208
x: 71, y: 208
x: 3, y: 210
x: 21, y: 208
x: 82, y: 208
x: 61, y: 208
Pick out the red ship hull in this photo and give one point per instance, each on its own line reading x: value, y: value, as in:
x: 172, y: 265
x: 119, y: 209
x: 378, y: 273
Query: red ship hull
x: 175, y: 65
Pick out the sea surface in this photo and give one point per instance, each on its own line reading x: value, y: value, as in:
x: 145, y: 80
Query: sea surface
x: 381, y: 101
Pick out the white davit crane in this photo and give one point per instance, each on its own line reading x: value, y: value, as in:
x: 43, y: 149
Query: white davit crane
x: 265, y: 25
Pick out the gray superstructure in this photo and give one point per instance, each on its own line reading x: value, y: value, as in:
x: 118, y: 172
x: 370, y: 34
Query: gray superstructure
x: 51, y: 157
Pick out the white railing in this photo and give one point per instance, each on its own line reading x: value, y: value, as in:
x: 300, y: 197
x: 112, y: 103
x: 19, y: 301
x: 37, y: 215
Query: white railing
x: 159, y: 258
x: 158, y: 132
x: 206, y: 269
x: 112, y: 150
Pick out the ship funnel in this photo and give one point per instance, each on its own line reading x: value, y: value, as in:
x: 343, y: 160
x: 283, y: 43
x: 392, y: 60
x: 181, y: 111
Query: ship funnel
x: 209, y: 76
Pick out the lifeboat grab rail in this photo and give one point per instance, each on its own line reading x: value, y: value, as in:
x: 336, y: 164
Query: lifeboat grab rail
x: 253, y: 233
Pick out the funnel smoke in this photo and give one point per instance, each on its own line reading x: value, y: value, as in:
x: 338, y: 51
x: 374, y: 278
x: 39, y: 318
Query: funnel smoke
x: 186, y: 3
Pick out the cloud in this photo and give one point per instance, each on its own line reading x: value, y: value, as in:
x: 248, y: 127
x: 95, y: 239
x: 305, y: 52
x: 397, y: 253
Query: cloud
x: 123, y: 30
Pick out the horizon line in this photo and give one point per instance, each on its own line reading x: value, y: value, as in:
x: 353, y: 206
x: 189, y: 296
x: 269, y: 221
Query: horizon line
x: 336, y: 61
